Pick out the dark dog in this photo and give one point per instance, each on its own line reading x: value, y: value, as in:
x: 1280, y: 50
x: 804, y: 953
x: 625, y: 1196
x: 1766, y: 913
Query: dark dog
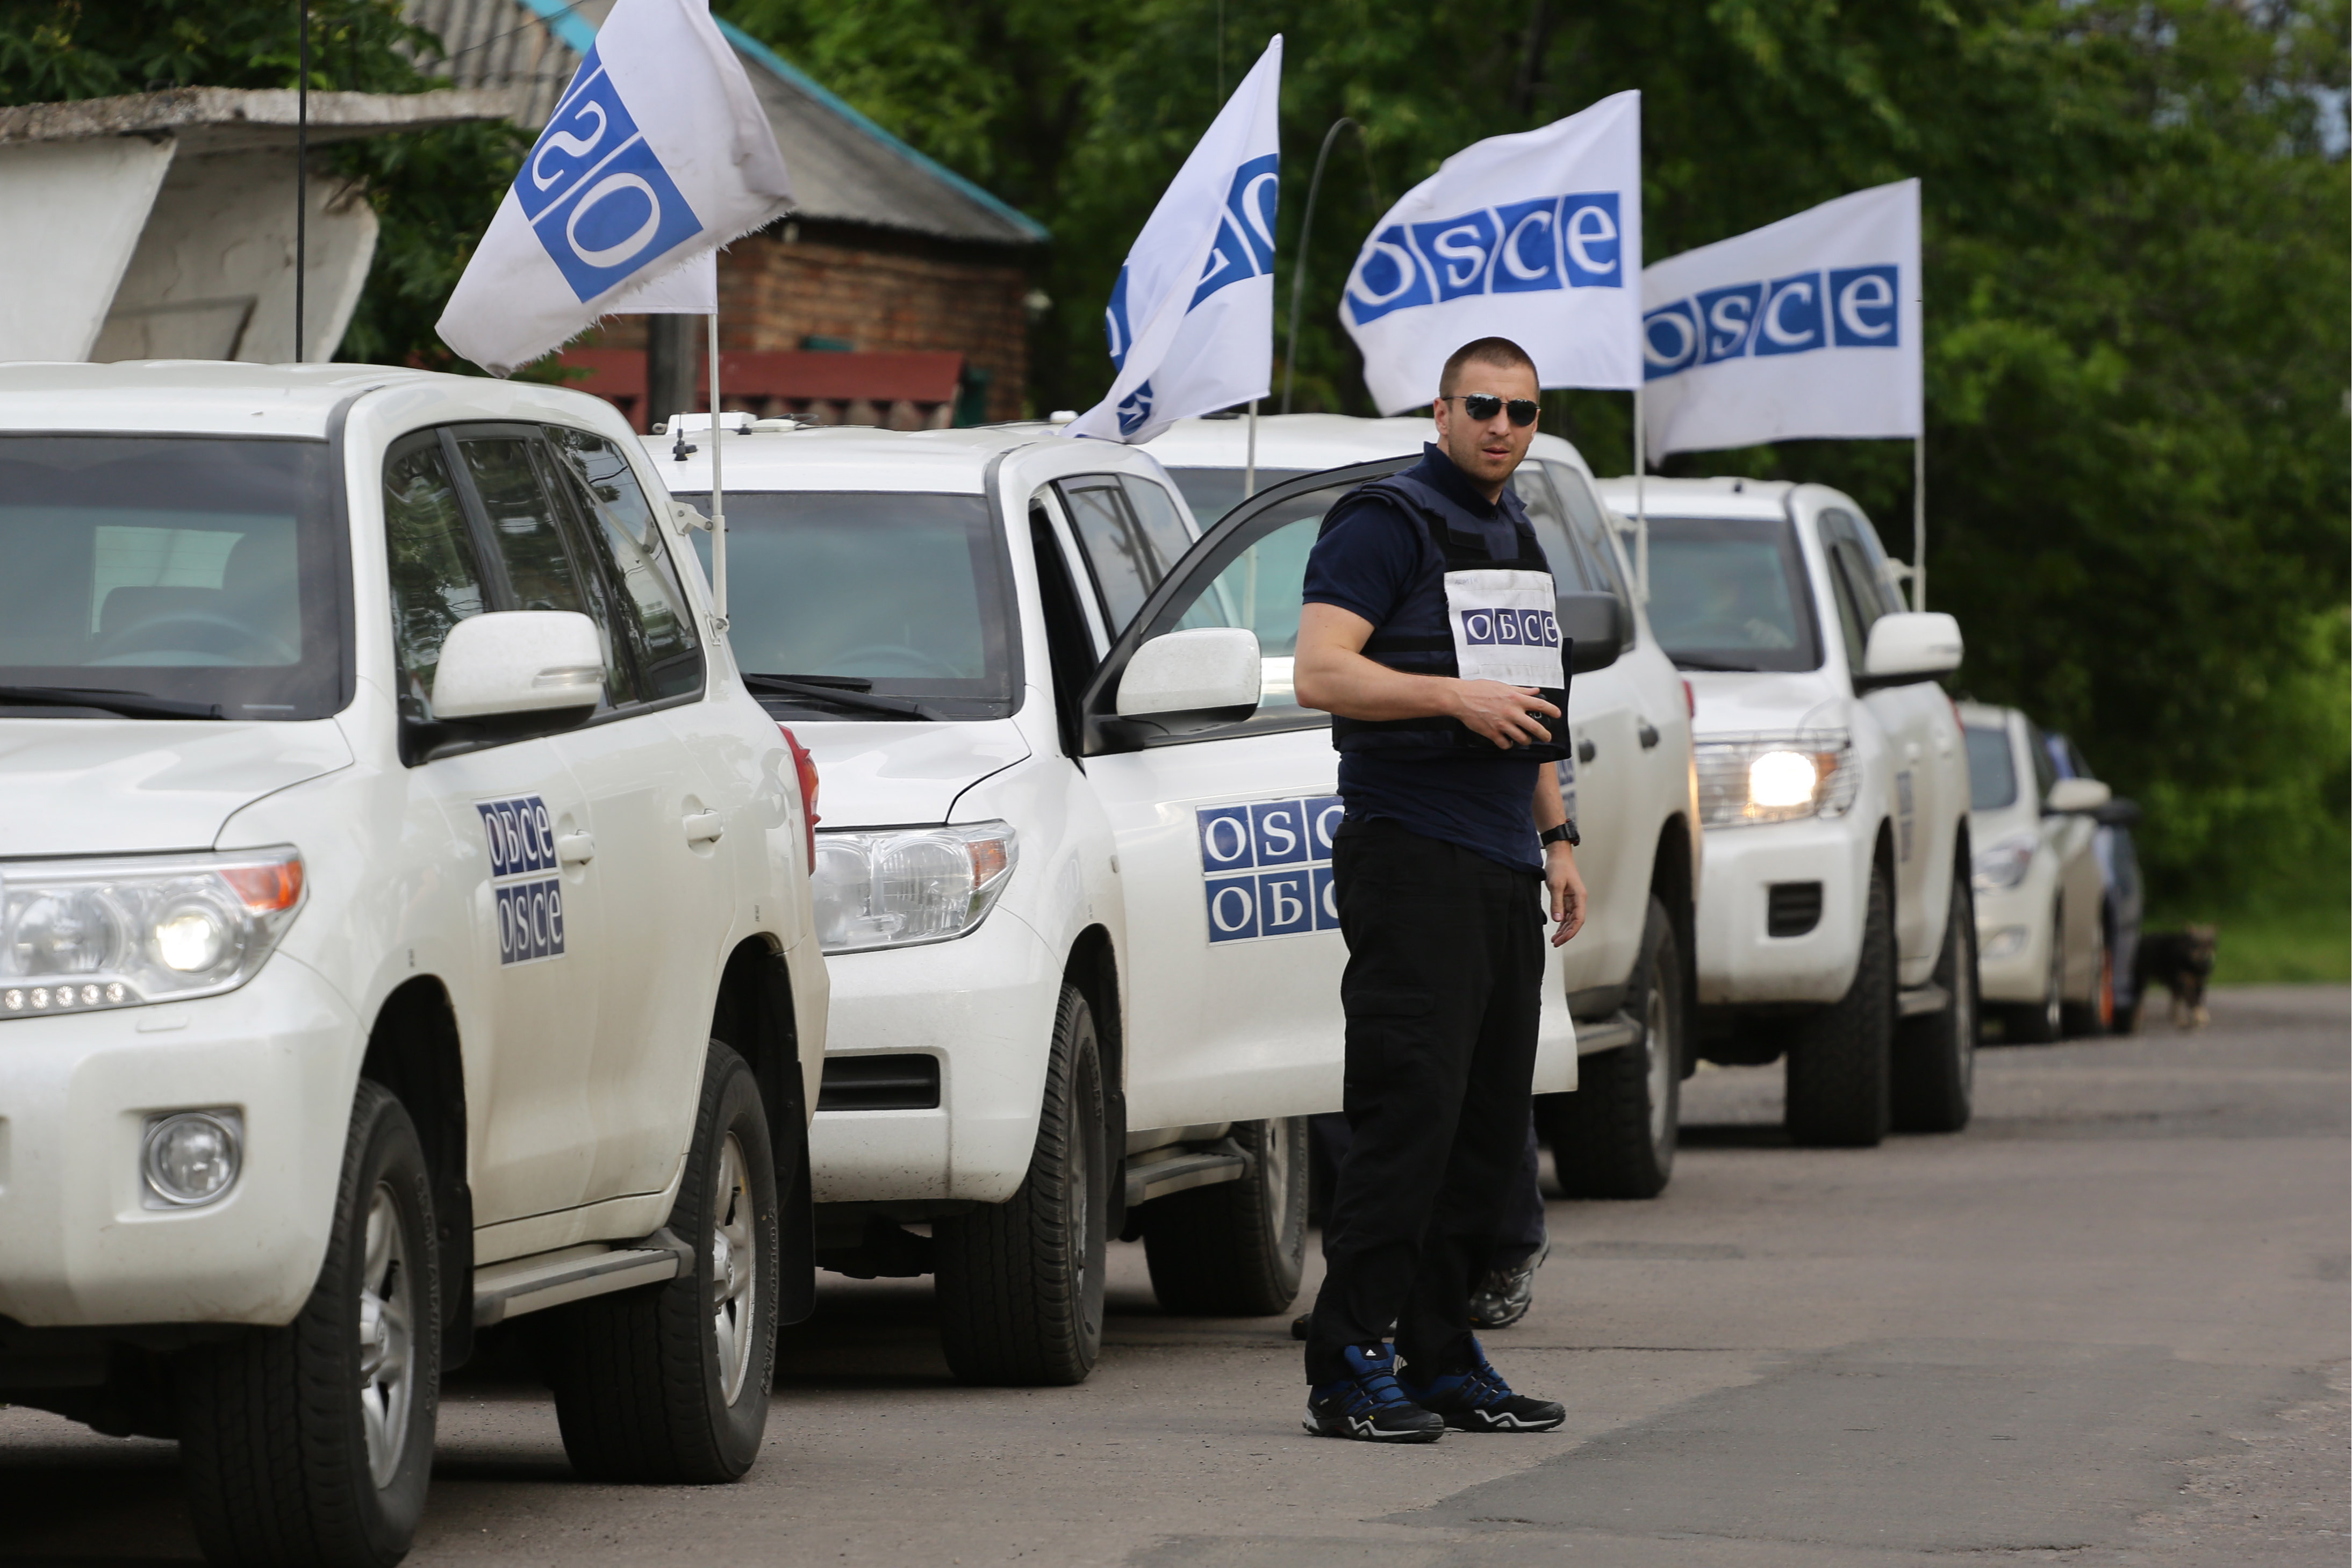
x: 2181, y: 962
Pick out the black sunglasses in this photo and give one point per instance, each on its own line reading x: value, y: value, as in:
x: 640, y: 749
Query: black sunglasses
x: 1484, y: 406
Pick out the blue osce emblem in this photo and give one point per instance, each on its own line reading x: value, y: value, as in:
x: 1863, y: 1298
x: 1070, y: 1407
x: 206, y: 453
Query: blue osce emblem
x: 1520, y: 248
x: 526, y: 902
x: 1266, y: 867
x: 1245, y: 247
x: 1134, y: 410
x: 596, y: 196
x: 1843, y: 308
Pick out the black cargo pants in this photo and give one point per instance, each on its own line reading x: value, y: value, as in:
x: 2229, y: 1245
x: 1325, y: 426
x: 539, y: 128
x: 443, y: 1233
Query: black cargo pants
x: 1442, y: 989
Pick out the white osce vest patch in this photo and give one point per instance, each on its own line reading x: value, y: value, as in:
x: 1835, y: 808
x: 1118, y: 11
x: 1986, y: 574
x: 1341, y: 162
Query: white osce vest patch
x: 1505, y: 627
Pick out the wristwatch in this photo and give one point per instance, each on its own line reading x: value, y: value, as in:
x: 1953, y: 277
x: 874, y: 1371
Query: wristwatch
x: 1565, y: 833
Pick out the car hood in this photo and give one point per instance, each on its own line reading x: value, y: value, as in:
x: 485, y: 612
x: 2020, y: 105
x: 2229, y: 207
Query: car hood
x: 1726, y: 704
x: 881, y: 774
x: 103, y: 787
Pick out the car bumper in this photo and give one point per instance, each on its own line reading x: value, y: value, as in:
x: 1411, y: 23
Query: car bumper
x: 983, y: 1005
x: 79, y: 1242
x: 1740, y: 960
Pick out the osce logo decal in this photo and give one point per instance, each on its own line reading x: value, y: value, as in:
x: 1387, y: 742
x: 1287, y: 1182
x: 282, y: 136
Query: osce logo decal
x: 526, y: 894
x: 1843, y: 308
x: 596, y: 196
x: 1267, y: 867
x: 1560, y: 242
x: 1510, y: 628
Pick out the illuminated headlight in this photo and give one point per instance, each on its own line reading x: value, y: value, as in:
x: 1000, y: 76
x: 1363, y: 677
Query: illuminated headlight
x: 895, y: 887
x: 190, y: 1157
x: 76, y: 935
x: 1774, y: 778
x: 2003, y: 864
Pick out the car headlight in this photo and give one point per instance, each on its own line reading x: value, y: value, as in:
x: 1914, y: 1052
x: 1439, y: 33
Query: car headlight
x: 1775, y: 777
x: 79, y: 935
x: 2003, y: 864
x: 895, y: 887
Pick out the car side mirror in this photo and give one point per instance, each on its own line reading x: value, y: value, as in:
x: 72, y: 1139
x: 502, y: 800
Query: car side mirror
x: 511, y: 661
x: 1910, y: 645
x: 1596, y: 625
x: 2076, y: 798
x: 2117, y: 813
x: 1194, y: 680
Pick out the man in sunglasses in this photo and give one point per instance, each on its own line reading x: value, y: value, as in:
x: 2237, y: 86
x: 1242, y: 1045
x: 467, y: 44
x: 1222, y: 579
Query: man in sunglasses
x: 1430, y: 634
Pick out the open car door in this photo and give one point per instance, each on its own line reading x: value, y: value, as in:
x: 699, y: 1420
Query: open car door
x: 1222, y: 794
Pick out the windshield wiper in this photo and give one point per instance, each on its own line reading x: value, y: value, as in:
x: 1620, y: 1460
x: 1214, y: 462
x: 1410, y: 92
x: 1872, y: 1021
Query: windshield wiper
x: 1685, y: 662
x: 844, y: 691
x: 109, y: 699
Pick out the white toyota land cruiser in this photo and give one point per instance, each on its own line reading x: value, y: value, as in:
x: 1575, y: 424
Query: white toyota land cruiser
x: 405, y: 926
x: 1834, y: 923
x: 1074, y: 868
x: 1630, y: 786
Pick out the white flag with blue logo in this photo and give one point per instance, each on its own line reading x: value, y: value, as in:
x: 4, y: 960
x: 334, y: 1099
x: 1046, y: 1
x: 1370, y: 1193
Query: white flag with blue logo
x: 658, y: 153
x: 1806, y: 328
x: 1531, y: 238
x: 1190, y: 319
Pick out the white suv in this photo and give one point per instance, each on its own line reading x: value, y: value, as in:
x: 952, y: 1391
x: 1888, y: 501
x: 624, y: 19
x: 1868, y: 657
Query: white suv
x: 1630, y: 786
x: 404, y: 927
x: 1074, y: 868
x: 1834, y: 923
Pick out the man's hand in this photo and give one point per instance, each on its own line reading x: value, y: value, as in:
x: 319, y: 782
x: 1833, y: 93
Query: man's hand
x: 1503, y: 714
x: 1567, y: 888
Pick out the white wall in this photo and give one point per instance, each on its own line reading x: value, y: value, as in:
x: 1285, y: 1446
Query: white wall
x: 71, y: 214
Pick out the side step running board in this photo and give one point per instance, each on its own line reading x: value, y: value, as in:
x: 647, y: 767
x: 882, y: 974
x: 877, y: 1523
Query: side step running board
x: 1182, y: 1170
x: 519, y: 1285
x: 1607, y: 1034
x: 1930, y: 998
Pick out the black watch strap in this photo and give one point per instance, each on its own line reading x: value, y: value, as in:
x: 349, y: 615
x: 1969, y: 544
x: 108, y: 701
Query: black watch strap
x: 1564, y: 833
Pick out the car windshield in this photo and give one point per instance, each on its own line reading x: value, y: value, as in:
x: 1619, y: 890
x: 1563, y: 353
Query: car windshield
x: 1729, y: 594
x: 1992, y: 771
x: 1214, y: 492
x: 182, y: 569
x: 900, y: 595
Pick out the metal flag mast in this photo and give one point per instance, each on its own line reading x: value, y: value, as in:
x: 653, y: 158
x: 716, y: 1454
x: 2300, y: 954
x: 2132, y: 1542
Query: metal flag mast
x: 1641, y: 499
x: 717, y: 491
x: 1919, y: 518
x: 301, y: 166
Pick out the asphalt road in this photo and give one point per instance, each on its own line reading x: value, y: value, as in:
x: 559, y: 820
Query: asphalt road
x: 2107, y: 1325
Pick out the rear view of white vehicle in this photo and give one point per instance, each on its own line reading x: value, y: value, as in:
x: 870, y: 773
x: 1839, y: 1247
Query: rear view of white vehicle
x: 1835, y: 921
x: 406, y: 932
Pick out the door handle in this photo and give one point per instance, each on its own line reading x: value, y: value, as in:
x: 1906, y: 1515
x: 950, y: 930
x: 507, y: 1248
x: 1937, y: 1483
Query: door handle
x: 1649, y: 735
x: 704, y: 827
x: 575, y: 849
x: 1586, y: 751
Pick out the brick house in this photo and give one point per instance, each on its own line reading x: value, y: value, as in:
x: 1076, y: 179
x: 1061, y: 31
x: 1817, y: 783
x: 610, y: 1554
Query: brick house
x: 899, y: 292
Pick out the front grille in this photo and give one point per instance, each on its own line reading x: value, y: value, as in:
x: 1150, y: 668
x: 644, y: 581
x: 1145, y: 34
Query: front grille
x: 1791, y: 909
x: 879, y: 1084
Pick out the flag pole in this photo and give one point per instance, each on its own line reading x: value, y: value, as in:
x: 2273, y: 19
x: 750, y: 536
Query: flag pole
x: 1641, y: 499
x: 1249, y: 472
x: 717, y: 491
x: 302, y: 168
x: 1919, y: 520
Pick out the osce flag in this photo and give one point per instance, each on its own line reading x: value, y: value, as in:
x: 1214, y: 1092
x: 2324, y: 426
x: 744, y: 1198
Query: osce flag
x: 1531, y: 238
x: 1190, y: 319
x: 658, y: 154
x: 1809, y: 326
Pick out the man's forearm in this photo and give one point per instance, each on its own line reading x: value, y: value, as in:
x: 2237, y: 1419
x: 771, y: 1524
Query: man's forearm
x: 1353, y: 686
x: 1550, y: 811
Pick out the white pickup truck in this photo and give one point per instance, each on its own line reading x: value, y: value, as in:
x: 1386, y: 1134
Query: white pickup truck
x: 1073, y: 871
x: 404, y: 927
x: 1630, y: 786
x: 1835, y: 921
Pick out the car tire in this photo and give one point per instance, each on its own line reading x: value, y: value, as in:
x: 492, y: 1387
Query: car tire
x: 1840, y: 1057
x: 2097, y: 1016
x: 1235, y: 1250
x: 2045, y: 1022
x: 669, y: 1383
x: 310, y: 1445
x: 1021, y: 1282
x: 1935, y: 1065
x: 1614, y: 1136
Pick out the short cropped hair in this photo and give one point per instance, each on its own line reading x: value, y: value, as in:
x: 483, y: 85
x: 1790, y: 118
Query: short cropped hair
x: 1500, y: 352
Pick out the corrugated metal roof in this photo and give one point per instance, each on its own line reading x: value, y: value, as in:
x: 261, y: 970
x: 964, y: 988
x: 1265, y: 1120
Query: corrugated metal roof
x: 844, y: 168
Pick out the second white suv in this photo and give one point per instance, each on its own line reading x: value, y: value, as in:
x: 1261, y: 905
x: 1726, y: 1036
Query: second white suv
x: 1834, y: 922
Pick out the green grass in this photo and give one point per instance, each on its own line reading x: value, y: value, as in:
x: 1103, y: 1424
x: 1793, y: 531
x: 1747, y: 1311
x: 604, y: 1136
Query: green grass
x: 2274, y: 946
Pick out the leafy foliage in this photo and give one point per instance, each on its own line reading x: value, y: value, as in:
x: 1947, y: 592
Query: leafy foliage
x: 2137, y: 288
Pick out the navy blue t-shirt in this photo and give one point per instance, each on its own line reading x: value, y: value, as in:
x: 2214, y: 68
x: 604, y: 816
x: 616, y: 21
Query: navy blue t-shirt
x: 1369, y: 562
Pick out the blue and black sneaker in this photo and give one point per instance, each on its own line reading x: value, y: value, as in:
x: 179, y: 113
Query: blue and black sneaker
x: 1365, y: 1405
x: 1480, y: 1400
